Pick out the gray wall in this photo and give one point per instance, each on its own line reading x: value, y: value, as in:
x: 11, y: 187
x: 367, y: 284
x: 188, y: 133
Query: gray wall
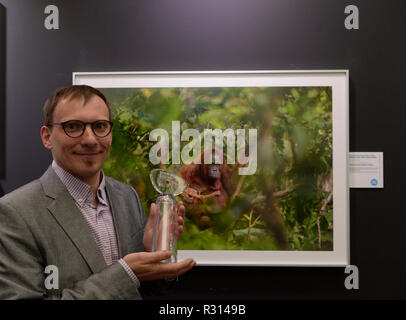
x: 161, y: 35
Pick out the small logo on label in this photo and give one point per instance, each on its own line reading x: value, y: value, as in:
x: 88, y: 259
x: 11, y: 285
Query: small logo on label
x: 374, y: 182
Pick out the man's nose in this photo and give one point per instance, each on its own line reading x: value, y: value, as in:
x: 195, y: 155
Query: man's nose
x: 88, y: 136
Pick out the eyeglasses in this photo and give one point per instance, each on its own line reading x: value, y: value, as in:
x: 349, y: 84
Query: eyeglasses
x: 76, y: 128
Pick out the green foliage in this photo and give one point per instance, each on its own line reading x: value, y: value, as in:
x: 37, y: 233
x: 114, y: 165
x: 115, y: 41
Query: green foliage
x: 278, y: 207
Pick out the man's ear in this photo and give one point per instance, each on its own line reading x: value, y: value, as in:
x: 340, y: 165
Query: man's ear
x: 46, y: 137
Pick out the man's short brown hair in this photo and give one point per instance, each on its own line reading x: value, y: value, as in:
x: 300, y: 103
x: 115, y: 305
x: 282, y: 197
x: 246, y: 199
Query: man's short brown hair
x: 71, y: 92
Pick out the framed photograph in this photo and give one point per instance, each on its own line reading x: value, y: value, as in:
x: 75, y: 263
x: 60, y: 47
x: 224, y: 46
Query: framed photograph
x: 264, y: 155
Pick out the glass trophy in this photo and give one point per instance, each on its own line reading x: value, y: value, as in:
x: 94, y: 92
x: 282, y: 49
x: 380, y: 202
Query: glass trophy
x: 165, y: 222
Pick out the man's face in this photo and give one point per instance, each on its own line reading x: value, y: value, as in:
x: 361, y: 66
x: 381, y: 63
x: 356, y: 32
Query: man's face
x: 84, y: 156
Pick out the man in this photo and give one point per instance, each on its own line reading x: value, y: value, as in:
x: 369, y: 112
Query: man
x: 92, y: 228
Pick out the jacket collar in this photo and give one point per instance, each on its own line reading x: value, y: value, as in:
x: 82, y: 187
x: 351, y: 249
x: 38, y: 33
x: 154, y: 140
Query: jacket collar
x: 80, y: 191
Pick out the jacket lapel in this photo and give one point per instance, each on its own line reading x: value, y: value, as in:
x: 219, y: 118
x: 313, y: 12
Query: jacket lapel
x: 67, y: 214
x: 121, y: 226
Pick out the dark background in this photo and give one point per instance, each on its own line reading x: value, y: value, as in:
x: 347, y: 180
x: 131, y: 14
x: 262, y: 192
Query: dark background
x: 187, y: 35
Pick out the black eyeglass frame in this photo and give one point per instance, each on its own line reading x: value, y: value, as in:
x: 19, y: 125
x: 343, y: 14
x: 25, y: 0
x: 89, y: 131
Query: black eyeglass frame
x: 84, y: 127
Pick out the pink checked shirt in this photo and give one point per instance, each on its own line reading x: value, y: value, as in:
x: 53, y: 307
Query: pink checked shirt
x: 99, y: 219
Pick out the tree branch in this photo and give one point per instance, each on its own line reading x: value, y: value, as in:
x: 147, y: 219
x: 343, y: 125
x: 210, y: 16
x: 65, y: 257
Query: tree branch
x: 277, y: 194
x: 321, y: 212
x: 238, y: 189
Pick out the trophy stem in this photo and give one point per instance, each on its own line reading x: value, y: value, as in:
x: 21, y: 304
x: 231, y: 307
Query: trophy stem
x: 165, y: 224
x: 165, y: 221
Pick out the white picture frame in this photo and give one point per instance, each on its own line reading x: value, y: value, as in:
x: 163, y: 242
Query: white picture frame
x: 337, y: 79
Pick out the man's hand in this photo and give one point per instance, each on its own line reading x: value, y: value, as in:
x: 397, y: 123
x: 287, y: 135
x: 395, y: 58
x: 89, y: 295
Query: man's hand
x: 149, y: 228
x: 148, y: 266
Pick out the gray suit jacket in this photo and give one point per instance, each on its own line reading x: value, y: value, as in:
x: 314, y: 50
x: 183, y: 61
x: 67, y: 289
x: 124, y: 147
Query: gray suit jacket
x: 40, y: 225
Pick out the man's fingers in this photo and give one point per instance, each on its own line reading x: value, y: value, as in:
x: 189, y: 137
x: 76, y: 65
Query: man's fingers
x: 181, y: 209
x: 152, y: 268
x: 157, y: 256
x: 150, y: 222
x: 186, y: 266
x: 152, y: 210
x: 179, y: 232
x: 172, y: 270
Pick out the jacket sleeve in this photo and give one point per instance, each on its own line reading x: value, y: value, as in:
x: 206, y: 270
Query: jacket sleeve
x: 112, y: 283
x: 22, y: 269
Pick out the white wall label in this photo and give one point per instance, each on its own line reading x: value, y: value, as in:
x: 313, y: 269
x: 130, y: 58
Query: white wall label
x: 366, y: 169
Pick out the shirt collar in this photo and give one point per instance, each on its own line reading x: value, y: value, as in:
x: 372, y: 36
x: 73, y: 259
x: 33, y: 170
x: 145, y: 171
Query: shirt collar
x: 101, y: 191
x: 79, y: 190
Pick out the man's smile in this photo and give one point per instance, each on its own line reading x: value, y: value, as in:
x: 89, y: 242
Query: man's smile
x: 87, y: 154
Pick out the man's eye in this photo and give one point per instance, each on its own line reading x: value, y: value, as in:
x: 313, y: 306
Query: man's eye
x: 72, y: 126
x: 101, y: 125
